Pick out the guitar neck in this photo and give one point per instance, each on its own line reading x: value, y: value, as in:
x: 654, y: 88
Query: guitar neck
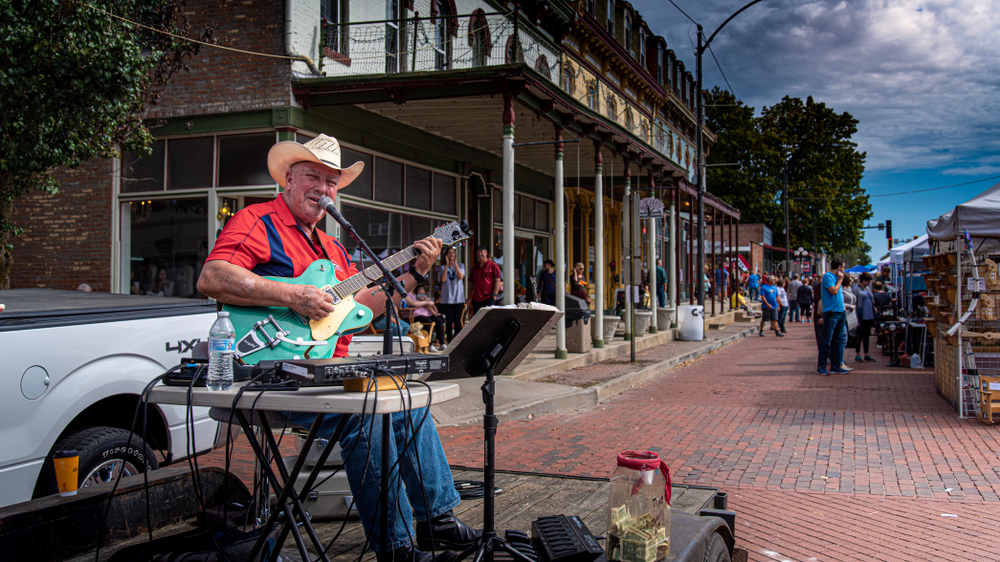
x: 373, y: 273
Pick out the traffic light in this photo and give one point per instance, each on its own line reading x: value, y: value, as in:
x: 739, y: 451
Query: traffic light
x: 888, y: 229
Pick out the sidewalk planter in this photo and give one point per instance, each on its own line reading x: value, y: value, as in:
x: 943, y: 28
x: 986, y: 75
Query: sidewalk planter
x: 664, y: 318
x: 643, y: 318
x: 610, y: 325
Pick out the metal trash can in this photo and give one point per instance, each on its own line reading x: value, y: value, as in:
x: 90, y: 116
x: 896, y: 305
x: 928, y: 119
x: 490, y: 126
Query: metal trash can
x: 578, y: 337
x: 691, y: 322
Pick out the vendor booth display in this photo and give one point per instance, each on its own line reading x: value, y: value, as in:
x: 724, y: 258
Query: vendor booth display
x: 963, y: 280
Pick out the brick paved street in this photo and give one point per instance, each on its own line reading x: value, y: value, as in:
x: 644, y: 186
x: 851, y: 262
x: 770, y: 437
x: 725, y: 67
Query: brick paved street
x: 871, y: 460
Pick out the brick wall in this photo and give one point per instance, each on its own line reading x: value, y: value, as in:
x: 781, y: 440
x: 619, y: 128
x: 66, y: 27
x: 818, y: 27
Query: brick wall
x: 222, y: 81
x: 67, y: 237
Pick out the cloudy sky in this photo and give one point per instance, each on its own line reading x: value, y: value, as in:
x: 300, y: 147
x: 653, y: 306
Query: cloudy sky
x: 921, y: 77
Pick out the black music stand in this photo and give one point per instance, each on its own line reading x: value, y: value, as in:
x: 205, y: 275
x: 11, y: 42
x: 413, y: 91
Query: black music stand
x: 481, y: 349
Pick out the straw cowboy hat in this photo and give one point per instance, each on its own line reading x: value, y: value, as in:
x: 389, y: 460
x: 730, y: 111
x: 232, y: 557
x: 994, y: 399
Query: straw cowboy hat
x: 322, y: 150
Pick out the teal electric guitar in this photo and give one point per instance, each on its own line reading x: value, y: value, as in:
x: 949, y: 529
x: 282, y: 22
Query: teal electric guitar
x: 271, y: 333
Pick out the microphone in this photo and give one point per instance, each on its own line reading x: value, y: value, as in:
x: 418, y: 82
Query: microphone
x: 334, y: 212
x: 327, y: 204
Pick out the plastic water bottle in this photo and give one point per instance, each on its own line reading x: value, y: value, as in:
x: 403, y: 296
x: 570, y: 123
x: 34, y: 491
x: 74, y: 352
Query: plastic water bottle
x: 221, y: 341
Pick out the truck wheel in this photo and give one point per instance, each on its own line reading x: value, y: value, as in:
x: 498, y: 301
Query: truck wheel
x: 717, y: 550
x: 103, y: 454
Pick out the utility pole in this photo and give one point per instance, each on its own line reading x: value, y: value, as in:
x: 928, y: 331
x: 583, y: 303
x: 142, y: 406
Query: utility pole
x: 700, y: 150
x: 785, y: 197
x: 700, y: 273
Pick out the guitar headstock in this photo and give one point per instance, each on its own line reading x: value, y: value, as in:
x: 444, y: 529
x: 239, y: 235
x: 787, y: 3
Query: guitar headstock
x: 453, y: 233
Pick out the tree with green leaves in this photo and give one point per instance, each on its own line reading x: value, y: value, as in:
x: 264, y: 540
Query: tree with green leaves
x: 856, y: 256
x: 823, y: 164
x: 76, y: 81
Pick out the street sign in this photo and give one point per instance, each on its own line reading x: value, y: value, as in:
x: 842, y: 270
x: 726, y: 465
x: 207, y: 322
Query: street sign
x: 806, y: 268
x: 651, y: 208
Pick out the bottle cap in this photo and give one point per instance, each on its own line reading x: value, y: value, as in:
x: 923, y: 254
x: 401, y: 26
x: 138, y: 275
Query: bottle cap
x: 223, y: 313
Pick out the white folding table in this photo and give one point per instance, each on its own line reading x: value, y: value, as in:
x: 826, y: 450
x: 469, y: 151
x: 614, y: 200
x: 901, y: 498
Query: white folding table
x: 320, y: 400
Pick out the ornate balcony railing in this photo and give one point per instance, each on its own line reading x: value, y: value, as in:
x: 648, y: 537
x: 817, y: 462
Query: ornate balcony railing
x: 424, y: 44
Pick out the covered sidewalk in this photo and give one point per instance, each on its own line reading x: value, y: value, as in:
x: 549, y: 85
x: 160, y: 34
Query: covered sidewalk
x: 562, y: 148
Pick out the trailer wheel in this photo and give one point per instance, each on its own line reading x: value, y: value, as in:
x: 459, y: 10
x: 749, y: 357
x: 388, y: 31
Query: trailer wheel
x: 103, y: 455
x: 717, y: 551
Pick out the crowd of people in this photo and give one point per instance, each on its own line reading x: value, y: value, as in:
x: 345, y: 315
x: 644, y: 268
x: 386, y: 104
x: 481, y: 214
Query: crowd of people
x: 844, y: 310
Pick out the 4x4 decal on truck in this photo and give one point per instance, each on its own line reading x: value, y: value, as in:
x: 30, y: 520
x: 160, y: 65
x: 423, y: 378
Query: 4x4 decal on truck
x: 183, y: 346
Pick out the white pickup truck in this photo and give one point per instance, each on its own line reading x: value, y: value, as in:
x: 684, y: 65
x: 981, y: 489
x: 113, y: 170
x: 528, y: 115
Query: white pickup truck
x: 72, y: 367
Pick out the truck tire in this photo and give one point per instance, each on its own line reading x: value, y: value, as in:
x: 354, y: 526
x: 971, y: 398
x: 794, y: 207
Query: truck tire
x: 717, y: 551
x: 103, y: 454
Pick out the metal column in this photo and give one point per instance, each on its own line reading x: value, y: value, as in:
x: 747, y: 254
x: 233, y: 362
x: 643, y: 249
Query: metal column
x: 560, y: 235
x: 509, y: 260
x: 598, y: 246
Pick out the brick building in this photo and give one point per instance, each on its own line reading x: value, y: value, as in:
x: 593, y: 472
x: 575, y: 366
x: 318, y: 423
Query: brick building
x: 430, y: 104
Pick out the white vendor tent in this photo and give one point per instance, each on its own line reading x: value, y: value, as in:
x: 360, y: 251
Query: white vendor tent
x: 979, y: 215
x: 911, y: 251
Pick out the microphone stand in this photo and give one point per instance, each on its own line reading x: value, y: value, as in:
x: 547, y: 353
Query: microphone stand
x: 389, y: 285
x: 393, y: 283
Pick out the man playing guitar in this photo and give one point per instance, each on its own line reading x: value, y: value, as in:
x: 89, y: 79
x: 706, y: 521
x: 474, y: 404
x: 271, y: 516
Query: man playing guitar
x: 280, y: 239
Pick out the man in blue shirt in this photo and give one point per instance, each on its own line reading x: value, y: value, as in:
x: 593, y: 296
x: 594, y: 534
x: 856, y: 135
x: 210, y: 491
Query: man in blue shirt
x: 753, y: 284
x: 769, y: 306
x: 831, y: 344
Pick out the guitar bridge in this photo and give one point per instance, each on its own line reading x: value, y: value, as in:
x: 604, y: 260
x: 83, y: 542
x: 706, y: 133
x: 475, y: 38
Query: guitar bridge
x: 258, y: 338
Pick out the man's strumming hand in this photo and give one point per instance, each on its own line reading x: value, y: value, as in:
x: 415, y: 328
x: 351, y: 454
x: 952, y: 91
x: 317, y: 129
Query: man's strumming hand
x: 311, y: 301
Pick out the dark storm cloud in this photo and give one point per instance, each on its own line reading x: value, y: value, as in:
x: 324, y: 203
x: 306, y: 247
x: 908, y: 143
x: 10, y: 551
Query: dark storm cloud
x: 922, y: 77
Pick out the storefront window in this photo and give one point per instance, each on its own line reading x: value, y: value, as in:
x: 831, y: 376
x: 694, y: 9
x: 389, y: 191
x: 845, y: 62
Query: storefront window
x: 527, y: 213
x: 141, y: 172
x: 243, y: 159
x: 542, y: 215
x: 389, y: 178
x: 444, y: 195
x: 362, y: 186
x: 168, y: 243
x: 418, y: 188
x: 190, y: 163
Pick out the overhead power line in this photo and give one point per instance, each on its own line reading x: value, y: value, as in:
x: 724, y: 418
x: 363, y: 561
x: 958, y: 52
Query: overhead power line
x: 934, y: 188
x: 723, y: 73
x: 683, y: 12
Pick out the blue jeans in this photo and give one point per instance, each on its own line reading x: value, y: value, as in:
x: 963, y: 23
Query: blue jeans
x: 380, y: 325
x: 661, y: 295
x: 753, y: 293
x: 793, y: 312
x: 423, y: 461
x: 782, y: 314
x: 834, y: 339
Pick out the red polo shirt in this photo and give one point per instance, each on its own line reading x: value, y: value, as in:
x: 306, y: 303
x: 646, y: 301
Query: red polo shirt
x: 482, y: 280
x: 265, y: 239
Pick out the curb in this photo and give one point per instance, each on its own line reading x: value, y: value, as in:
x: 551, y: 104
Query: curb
x: 584, y: 397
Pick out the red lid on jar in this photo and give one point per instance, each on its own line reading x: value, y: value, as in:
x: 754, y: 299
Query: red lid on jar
x: 646, y: 460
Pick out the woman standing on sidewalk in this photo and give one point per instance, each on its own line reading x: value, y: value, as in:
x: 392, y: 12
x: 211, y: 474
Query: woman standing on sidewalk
x: 783, y: 303
x: 804, y: 296
x: 452, y: 276
x: 866, y: 315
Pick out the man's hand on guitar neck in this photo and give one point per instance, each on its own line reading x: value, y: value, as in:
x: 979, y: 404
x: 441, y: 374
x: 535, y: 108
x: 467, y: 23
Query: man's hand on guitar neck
x: 430, y: 249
